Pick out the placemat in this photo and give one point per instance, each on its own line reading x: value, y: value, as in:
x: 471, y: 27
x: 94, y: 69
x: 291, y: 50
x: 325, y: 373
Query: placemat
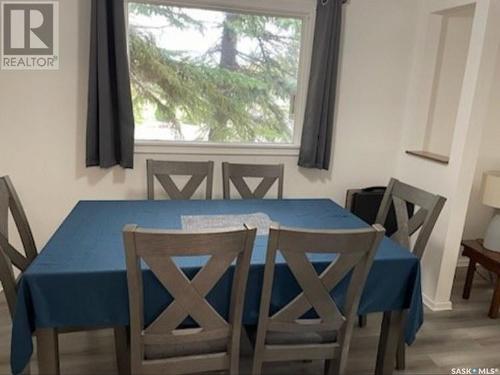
x: 258, y: 220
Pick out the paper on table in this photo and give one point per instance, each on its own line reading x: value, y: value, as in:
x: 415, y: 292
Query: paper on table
x: 257, y: 220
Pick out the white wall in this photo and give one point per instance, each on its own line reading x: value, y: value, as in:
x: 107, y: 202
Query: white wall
x: 478, y: 215
x: 453, y: 181
x: 448, y: 79
x: 42, y: 119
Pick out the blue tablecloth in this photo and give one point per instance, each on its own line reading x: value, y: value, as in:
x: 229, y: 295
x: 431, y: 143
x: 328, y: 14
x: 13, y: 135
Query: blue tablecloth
x: 79, y: 278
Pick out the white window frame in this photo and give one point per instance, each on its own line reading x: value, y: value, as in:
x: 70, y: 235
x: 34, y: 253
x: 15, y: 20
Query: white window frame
x: 302, y: 9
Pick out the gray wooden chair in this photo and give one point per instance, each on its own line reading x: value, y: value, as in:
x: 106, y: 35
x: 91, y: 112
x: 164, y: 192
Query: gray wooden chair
x: 362, y: 320
x: 235, y: 174
x: 163, y: 170
x: 287, y: 335
x: 163, y: 346
x: 11, y: 258
x: 365, y: 204
x: 428, y: 207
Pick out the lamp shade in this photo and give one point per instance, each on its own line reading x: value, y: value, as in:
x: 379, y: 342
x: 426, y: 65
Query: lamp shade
x: 491, y: 193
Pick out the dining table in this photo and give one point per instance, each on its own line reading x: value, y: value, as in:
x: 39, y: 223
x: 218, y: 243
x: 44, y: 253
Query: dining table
x: 79, y: 279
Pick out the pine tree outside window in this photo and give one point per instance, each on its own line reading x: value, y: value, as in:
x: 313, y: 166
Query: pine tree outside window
x: 217, y: 75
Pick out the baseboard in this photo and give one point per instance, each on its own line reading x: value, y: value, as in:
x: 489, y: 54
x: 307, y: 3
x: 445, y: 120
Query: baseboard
x: 462, y: 262
x: 436, y: 306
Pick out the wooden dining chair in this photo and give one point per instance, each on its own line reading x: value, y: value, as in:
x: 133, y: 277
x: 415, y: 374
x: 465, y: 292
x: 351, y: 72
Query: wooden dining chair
x: 235, y: 174
x: 164, y: 346
x: 365, y: 204
x: 163, y: 171
x: 288, y: 334
x: 11, y: 259
x: 428, y: 207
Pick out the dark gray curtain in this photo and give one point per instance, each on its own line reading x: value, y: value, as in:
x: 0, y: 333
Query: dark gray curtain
x: 110, y: 120
x: 316, y: 143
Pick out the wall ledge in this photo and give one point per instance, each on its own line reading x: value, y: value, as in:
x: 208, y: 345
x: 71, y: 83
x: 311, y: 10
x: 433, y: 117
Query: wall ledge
x: 442, y: 159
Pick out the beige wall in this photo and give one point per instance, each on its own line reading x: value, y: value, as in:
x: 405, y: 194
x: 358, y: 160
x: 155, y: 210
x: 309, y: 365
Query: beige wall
x: 42, y: 119
x: 478, y: 215
x: 453, y: 181
x: 448, y: 79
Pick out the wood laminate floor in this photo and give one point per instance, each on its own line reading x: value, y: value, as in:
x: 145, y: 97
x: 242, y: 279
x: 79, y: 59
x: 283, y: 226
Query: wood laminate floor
x: 461, y: 338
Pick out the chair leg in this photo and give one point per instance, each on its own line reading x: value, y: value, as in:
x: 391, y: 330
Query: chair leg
x: 234, y: 366
x: 328, y: 365
x: 246, y: 346
x: 259, y: 350
x: 257, y: 366
x: 235, y: 353
x: 122, y: 350
x: 391, y: 328
x: 401, y: 355
x: 362, y: 321
x: 258, y: 356
x: 332, y: 367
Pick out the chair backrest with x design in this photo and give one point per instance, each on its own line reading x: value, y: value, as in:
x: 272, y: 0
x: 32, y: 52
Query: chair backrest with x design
x: 164, y: 170
x: 9, y: 256
x: 428, y: 206
x: 352, y: 250
x: 157, y: 248
x: 236, y: 173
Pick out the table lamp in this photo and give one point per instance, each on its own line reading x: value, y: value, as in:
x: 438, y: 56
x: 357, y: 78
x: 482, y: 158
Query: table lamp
x: 491, y: 197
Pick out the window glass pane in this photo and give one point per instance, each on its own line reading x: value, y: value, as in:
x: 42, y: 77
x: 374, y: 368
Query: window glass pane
x: 206, y: 75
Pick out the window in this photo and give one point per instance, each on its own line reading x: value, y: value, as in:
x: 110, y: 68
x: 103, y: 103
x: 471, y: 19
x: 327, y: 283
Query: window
x: 216, y: 76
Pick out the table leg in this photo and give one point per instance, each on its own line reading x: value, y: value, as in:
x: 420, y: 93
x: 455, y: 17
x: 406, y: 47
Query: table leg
x: 48, y: 351
x: 391, y: 330
x: 495, y: 302
x: 401, y: 351
x: 401, y: 354
x: 468, y: 280
x: 362, y: 321
x: 122, y: 348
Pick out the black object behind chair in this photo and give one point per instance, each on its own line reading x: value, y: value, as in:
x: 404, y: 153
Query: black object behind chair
x: 365, y: 203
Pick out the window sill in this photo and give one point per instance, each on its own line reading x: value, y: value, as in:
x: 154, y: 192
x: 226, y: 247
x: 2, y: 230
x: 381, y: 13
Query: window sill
x: 198, y: 148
